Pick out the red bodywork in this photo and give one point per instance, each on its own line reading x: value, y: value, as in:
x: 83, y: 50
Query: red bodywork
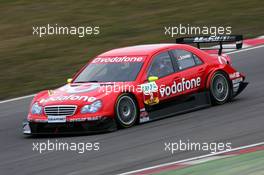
x: 80, y: 94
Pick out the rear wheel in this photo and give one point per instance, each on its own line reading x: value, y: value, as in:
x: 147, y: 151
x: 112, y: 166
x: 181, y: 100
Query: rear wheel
x: 126, y: 111
x: 220, y: 88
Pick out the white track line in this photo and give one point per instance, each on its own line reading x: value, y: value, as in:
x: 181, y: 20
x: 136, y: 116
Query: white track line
x: 18, y: 98
x: 28, y: 96
x: 246, y: 49
x: 192, y: 159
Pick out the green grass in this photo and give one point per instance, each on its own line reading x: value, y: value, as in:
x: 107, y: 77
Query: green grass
x: 245, y: 164
x: 29, y: 63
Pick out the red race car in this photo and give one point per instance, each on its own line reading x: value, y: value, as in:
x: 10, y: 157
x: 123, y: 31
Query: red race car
x: 130, y: 85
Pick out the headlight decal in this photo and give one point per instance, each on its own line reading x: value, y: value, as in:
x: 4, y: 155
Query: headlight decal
x: 36, y: 109
x: 92, y: 108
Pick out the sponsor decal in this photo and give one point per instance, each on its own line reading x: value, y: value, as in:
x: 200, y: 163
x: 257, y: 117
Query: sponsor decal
x: 94, y: 118
x: 144, y: 117
x: 69, y: 98
x: 56, y: 119
x: 26, y: 128
x: 150, y: 91
x: 119, y: 59
x: 38, y: 120
x: 184, y: 57
x: 72, y: 89
x: 181, y: 86
x: 147, y: 88
x: 237, y: 80
x: 213, y: 38
x: 151, y: 99
x: 234, y: 75
x: 222, y: 60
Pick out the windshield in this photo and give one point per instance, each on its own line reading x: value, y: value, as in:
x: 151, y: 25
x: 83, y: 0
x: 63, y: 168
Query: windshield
x: 111, y: 69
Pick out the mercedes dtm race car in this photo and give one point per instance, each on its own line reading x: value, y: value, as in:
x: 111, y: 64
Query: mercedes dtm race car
x: 130, y: 85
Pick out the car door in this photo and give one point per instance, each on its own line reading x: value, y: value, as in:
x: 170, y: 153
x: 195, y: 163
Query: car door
x: 191, y: 71
x: 161, y: 66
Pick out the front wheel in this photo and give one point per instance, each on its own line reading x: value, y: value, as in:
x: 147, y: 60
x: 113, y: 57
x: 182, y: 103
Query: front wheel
x: 220, y: 88
x: 126, y: 111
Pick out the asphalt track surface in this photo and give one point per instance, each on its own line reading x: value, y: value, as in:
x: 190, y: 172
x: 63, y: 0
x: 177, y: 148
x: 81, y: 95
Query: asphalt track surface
x: 239, y: 122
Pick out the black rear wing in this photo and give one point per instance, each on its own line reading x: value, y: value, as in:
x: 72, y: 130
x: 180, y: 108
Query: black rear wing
x: 221, y: 39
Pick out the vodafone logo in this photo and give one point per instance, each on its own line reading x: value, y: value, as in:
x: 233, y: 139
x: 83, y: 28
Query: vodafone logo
x: 79, y: 88
x: 69, y: 98
x: 123, y: 59
x: 181, y: 86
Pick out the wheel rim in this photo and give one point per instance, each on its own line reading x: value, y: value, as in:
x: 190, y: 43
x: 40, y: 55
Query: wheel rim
x: 126, y: 110
x: 220, y: 87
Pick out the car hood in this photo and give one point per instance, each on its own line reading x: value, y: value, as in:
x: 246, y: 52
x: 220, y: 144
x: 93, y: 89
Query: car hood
x: 84, y: 93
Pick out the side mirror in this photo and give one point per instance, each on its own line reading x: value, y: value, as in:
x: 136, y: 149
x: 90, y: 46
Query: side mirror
x: 153, y: 78
x: 69, y: 80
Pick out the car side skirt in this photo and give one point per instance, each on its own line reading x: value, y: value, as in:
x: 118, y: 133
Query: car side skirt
x: 180, y: 105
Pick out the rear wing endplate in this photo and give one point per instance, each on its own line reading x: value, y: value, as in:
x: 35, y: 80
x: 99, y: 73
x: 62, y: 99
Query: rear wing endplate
x: 221, y: 39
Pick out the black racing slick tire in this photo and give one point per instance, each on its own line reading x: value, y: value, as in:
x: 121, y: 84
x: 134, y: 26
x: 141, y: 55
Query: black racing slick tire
x: 126, y: 110
x: 220, y: 88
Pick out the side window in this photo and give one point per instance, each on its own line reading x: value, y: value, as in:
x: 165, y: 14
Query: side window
x: 197, y: 60
x: 186, y: 59
x: 161, y: 65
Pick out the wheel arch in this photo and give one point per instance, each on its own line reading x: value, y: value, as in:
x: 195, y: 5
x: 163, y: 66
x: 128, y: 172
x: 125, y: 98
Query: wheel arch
x: 136, y: 101
x: 210, y: 76
x: 131, y: 94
